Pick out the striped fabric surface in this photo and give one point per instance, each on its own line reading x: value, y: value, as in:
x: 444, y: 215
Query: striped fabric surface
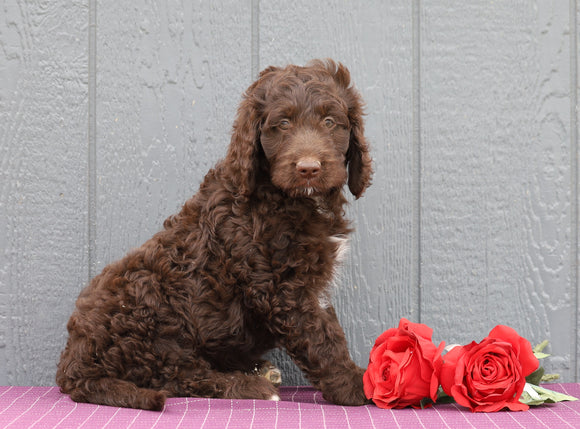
x: 301, y: 407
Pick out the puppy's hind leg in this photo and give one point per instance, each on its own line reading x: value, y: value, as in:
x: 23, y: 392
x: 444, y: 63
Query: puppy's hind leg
x: 116, y: 393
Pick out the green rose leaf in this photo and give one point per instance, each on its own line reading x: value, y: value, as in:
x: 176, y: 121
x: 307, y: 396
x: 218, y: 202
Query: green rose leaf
x: 536, y: 395
x: 536, y: 376
x: 540, y: 347
x: 541, y: 355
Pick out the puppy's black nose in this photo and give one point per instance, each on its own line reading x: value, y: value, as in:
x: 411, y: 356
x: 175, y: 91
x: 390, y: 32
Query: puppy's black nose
x: 308, y: 168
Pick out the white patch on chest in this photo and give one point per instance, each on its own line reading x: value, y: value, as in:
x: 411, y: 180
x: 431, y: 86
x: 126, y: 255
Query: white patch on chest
x: 342, y: 247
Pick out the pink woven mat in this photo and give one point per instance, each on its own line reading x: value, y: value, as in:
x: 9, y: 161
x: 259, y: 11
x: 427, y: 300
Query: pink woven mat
x: 301, y: 407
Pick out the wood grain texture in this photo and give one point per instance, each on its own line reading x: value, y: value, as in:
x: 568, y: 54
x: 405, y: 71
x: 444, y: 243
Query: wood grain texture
x: 43, y: 207
x: 496, y: 201
x: 170, y: 76
x: 488, y: 176
x: 375, y: 43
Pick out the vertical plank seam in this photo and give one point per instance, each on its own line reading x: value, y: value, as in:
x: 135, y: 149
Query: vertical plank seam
x: 92, y: 135
x: 416, y: 25
x: 255, y: 4
x: 575, y: 219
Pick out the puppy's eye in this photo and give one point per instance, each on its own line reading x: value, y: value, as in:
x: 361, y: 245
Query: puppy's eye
x: 284, y: 124
x: 329, y: 122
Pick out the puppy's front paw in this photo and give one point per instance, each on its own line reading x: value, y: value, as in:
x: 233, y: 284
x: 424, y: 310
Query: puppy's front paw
x: 345, y: 388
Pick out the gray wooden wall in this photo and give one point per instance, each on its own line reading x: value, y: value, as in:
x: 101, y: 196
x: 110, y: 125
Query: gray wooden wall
x: 111, y: 112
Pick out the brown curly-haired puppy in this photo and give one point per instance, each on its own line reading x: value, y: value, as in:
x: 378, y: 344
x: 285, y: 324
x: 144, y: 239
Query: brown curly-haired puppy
x: 243, y: 268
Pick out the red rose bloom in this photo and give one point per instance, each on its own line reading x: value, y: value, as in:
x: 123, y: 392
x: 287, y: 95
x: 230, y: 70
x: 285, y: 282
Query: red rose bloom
x: 403, y: 367
x: 489, y: 376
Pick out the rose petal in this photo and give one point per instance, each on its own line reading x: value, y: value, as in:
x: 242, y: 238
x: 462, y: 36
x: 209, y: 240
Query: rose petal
x: 388, y: 333
x: 450, y: 369
x: 418, y: 329
x: 400, y: 343
x: 461, y: 396
x: 377, y: 353
x: 523, y: 348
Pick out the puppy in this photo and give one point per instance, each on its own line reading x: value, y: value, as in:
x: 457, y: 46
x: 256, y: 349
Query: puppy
x: 243, y: 268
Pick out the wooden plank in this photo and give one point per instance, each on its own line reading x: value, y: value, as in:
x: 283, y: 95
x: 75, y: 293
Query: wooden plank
x: 43, y: 207
x: 374, y: 40
x: 170, y: 77
x: 496, y: 200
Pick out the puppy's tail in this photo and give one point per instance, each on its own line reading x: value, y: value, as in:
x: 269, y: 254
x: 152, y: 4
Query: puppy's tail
x: 115, y: 393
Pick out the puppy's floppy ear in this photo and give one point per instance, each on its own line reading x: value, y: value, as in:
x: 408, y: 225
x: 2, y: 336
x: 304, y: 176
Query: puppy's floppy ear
x: 358, y: 157
x: 243, y: 157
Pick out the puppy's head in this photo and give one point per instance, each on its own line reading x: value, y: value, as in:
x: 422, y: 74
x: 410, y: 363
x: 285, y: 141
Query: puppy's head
x: 304, y: 127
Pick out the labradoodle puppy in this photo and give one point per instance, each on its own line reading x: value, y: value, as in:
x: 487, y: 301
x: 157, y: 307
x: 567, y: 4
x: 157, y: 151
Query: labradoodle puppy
x: 243, y: 268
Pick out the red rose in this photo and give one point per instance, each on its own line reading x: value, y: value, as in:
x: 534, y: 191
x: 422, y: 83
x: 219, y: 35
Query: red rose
x: 489, y: 376
x: 403, y: 367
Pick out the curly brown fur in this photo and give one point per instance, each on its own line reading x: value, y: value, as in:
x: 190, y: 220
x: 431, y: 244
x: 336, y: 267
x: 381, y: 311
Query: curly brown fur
x: 244, y: 267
